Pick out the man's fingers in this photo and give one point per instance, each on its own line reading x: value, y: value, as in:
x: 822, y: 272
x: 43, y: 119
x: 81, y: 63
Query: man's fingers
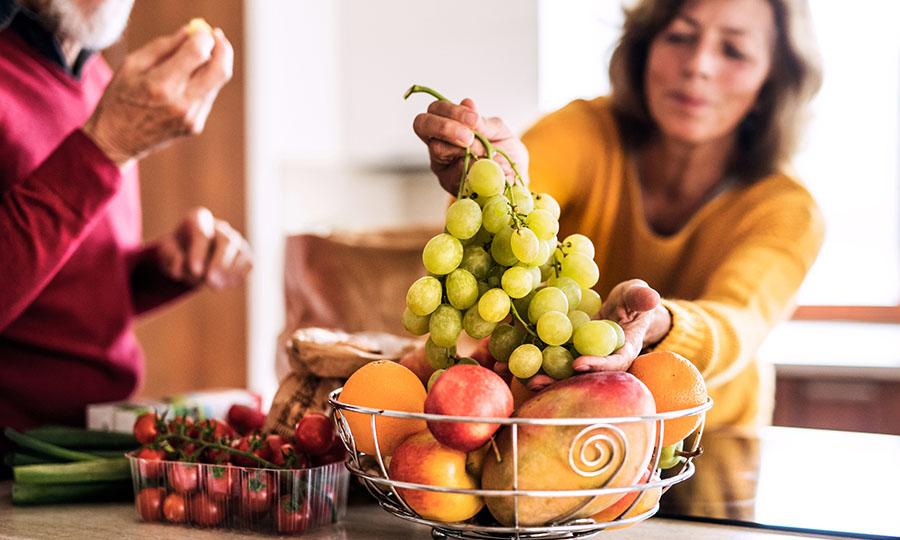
x: 156, y: 51
x: 198, y: 231
x: 193, y: 52
x: 171, y: 258
x: 431, y: 126
x: 210, y: 76
x: 463, y: 115
x: 226, y: 246
x: 469, y: 104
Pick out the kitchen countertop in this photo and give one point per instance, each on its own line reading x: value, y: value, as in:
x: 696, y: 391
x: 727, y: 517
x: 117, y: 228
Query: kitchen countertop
x: 798, y: 481
x: 364, y: 521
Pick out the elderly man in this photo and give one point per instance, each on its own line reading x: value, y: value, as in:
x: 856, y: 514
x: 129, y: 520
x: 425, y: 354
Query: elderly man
x: 73, y: 271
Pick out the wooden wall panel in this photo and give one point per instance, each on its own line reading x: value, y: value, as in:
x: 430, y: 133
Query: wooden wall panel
x: 200, y: 342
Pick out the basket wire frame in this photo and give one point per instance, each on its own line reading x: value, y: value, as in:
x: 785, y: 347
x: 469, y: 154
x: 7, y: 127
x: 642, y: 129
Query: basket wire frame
x: 373, y: 473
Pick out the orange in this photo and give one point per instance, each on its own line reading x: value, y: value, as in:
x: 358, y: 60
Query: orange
x: 383, y: 384
x: 675, y: 384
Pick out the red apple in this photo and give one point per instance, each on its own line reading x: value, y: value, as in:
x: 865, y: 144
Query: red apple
x: 420, y: 459
x: 467, y: 390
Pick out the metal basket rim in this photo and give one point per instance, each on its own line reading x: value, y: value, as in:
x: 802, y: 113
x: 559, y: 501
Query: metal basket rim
x: 687, y: 472
x: 572, y: 421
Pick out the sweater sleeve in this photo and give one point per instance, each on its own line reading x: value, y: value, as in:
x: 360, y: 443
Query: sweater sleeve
x: 44, y: 217
x: 751, y: 290
x: 150, y: 287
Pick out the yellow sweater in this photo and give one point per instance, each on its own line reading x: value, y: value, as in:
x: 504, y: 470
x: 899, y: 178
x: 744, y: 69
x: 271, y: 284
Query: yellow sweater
x: 727, y: 277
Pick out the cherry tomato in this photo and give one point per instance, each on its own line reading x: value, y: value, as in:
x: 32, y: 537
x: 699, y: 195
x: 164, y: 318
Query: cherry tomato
x: 314, y: 434
x: 275, y: 442
x: 215, y: 430
x: 336, y: 453
x: 183, y: 425
x: 175, y: 508
x: 146, y: 428
x: 205, y: 511
x: 152, y: 465
x: 220, y: 481
x: 245, y: 419
x: 292, y: 515
x: 254, y: 444
x: 183, y: 477
x: 292, y: 458
x: 148, y: 502
x: 257, y: 491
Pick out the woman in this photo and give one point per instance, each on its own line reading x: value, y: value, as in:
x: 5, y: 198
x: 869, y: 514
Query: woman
x: 680, y: 178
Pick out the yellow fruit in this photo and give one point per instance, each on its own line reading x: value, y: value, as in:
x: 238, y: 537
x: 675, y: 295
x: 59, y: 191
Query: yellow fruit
x: 198, y: 24
x: 675, y: 384
x: 383, y: 385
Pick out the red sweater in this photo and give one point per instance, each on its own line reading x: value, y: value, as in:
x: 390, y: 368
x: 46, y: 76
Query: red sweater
x: 72, y: 272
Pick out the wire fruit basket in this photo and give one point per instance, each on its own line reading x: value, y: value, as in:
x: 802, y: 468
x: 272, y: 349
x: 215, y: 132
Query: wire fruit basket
x: 599, y: 435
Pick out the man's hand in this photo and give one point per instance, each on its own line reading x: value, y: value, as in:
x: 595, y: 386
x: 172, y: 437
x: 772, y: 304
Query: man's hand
x: 163, y: 91
x: 448, y: 129
x: 205, y: 249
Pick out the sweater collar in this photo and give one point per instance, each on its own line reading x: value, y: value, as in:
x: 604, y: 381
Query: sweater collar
x: 27, y: 24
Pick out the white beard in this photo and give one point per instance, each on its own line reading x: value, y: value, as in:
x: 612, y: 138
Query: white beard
x: 96, y: 29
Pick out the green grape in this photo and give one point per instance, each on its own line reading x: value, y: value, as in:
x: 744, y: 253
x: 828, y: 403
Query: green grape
x: 568, y: 286
x: 620, y: 334
x: 517, y: 281
x: 557, y: 362
x: 668, y: 455
x: 462, y: 289
x: 544, y: 201
x: 415, y: 324
x: 581, y: 268
x: 525, y: 245
x: 547, y: 269
x: 579, y: 243
x: 494, y: 305
x: 577, y: 318
x: 439, y: 357
x: 590, y: 302
x: 475, y: 326
x: 466, y: 361
x: 504, y: 339
x: 442, y: 254
x: 522, y: 198
x: 595, y: 338
x: 495, y: 275
x: 445, y: 326
x: 535, y: 277
x: 525, y: 361
x: 485, y: 178
x: 463, y: 218
x: 481, y: 238
x: 542, y: 222
x: 544, y: 252
x: 434, y: 377
x: 521, y: 304
x: 501, y: 250
x: 545, y: 300
x: 554, y: 328
x: 424, y: 295
x: 476, y: 261
x: 496, y: 214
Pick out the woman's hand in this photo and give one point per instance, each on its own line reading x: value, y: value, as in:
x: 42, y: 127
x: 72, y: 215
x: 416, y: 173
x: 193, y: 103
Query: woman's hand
x: 205, y: 249
x: 637, y: 309
x: 448, y: 129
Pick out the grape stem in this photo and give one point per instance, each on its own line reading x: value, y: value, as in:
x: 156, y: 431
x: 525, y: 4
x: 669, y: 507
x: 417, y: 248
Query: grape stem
x: 519, y: 317
x: 419, y: 89
x: 465, y: 170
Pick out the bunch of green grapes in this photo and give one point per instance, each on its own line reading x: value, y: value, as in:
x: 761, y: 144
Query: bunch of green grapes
x: 499, y: 270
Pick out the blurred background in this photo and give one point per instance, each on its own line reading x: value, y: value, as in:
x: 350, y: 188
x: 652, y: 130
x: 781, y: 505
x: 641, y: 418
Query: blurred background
x: 312, y: 135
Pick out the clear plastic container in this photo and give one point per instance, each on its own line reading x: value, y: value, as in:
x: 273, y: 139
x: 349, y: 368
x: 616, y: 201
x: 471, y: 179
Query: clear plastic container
x: 275, y: 501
